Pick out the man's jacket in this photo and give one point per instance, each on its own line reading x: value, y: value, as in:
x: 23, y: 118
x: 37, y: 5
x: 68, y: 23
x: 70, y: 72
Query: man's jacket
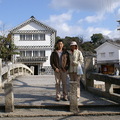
x: 54, y: 60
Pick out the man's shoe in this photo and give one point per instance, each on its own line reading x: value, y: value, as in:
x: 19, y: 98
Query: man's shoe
x: 58, y: 99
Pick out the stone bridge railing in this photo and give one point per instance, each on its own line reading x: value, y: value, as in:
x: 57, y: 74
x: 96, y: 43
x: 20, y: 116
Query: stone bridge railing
x: 7, y: 74
x: 89, y: 81
x: 108, y: 80
x: 10, y: 71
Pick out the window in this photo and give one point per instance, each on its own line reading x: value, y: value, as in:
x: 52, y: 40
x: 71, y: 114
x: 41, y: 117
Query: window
x: 22, y: 53
x: 28, y: 53
x: 35, y: 37
x: 35, y: 53
x: 22, y: 37
x: 42, y: 36
x: 29, y: 37
x: 42, y: 53
x: 102, y: 55
x: 111, y: 54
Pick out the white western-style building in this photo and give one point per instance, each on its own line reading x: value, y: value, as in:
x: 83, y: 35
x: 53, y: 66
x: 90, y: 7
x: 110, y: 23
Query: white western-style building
x: 35, y: 42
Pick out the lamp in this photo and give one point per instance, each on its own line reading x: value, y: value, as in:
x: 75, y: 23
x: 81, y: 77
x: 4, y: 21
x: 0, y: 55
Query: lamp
x: 7, y: 45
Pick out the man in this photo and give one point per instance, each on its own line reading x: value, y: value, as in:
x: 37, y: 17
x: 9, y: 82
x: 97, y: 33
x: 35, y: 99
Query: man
x: 59, y: 61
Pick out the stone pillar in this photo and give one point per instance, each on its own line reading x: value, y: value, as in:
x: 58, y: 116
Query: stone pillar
x: 22, y: 71
x: 88, y: 67
x: 73, y: 97
x: 0, y: 73
x: 8, y: 73
x: 108, y: 87
x: 9, y: 98
x: 32, y: 68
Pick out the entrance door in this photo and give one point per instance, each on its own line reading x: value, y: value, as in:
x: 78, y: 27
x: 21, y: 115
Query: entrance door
x: 107, y: 69
x: 35, y: 69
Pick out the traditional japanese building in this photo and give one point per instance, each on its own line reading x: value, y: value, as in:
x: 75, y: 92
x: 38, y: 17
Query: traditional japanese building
x: 108, y: 57
x: 35, y: 42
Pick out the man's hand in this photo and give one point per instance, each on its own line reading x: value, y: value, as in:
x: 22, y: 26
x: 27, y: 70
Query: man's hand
x: 64, y: 70
x: 57, y: 70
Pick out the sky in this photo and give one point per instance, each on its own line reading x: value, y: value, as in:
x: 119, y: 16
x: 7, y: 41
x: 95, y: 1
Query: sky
x: 74, y: 18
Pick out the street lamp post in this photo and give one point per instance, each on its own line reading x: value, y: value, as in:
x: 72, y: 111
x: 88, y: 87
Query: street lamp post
x: 7, y: 45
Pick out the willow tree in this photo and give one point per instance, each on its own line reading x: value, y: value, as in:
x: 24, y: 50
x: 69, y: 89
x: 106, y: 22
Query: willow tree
x: 7, y: 48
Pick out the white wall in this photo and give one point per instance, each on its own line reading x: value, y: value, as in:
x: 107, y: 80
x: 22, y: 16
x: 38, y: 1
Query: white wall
x: 119, y: 54
x: 48, y: 53
x: 32, y: 26
x: 106, y: 49
x: 17, y: 41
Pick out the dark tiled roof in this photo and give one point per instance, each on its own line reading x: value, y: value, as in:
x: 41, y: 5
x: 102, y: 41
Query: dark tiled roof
x: 114, y: 43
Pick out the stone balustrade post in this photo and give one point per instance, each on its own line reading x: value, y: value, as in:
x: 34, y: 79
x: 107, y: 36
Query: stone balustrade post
x: 25, y: 71
x: 88, y: 67
x: 9, y: 97
x: 22, y: 71
x: 32, y: 68
x: 108, y: 87
x: 19, y: 71
x: 73, y: 97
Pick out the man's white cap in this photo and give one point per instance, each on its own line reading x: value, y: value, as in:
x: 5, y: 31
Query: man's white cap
x: 73, y: 43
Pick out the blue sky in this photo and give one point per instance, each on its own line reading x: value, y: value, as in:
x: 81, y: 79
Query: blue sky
x: 69, y: 17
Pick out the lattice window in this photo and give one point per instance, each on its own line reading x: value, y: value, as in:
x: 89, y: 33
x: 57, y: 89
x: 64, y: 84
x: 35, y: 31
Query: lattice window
x: 28, y: 53
x: 42, y: 36
x: 42, y: 53
x: 35, y: 37
x: 22, y: 53
x: 28, y: 37
x: 36, y: 53
x: 22, y: 37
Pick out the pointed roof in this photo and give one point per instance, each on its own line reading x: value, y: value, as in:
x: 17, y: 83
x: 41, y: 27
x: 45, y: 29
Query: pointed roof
x: 32, y: 19
x: 109, y: 42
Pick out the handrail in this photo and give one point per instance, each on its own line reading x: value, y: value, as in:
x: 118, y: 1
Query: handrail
x: 107, y: 88
x: 108, y: 80
x: 104, y: 77
x: 13, y: 66
x: 10, y: 71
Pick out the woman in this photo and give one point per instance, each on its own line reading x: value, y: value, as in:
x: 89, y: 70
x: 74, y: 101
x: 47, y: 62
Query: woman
x: 76, y: 60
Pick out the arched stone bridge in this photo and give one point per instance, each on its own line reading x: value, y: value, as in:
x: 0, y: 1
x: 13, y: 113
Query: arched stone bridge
x: 34, y: 90
x: 11, y: 71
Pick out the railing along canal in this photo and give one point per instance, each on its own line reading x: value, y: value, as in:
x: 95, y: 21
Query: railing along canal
x: 109, y: 81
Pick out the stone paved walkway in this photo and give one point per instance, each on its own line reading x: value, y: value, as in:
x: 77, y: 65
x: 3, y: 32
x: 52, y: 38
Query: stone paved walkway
x: 40, y: 90
x: 35, y: 97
